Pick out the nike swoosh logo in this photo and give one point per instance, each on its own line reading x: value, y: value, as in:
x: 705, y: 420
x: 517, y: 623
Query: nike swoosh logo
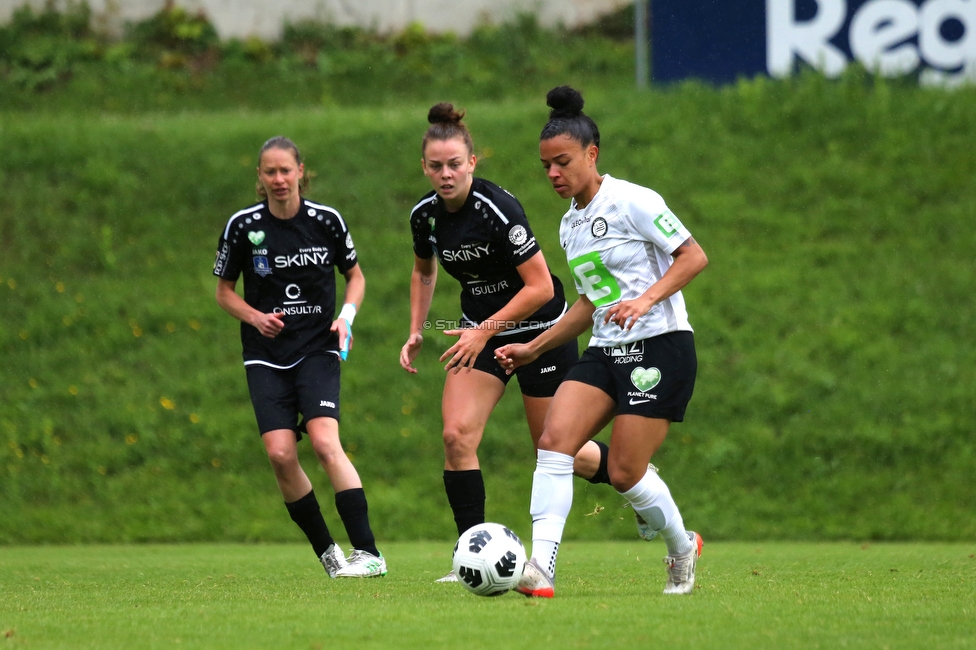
x: 640, y: 401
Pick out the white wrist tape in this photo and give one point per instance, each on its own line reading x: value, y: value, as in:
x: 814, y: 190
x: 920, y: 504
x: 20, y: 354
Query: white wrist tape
x: 348, y: 312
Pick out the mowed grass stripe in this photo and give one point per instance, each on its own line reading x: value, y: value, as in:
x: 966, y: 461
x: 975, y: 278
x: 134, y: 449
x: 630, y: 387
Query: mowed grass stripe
x: 608, y: 595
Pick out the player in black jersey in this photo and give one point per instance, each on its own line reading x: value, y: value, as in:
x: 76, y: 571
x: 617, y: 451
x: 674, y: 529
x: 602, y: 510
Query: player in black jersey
x: 288, y: 249
x: 479, y: 234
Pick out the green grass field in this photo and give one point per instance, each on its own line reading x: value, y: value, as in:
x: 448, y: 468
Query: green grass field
x: 783, y: 595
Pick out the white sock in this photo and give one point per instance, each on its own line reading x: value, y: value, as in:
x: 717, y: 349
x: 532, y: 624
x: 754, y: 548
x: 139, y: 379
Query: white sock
x: 652, y: 500
x: 545, y: 553
x: 552, y: 497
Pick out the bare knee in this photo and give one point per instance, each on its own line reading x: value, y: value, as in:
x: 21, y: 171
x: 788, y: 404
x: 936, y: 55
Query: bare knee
x: 330, y: 453
x: 453, y: 439
x: 284, y: 461
x: 624, y: 478
x: 548, y: 441
x: 460, y: 446
x: 561, y: 440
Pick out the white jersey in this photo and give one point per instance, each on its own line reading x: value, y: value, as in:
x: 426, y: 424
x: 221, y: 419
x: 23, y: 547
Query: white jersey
x: 617, y: 247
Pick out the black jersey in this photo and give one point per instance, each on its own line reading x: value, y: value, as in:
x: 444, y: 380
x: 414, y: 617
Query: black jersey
x: 480, y: 245
x: 289, y: 269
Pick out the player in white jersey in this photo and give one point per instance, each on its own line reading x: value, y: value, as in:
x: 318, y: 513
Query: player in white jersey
x: 630, y: 257
x: 288, y: 250
x: 479, y: 234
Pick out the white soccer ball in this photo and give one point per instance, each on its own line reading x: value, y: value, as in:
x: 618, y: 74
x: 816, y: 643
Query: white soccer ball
x: 488, y: 559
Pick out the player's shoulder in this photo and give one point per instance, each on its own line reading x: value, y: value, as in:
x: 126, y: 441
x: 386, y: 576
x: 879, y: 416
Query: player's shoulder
x: 244, y: 217
x: 426, y: 202
x: 628, y: 191
x: 496, y: 199
x: 248, y: 211
x: 312, y: 208
x: 323, y: 214
x: 635, y: 198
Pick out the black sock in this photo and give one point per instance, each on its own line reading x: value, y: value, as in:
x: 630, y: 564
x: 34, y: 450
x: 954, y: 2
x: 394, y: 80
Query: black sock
x: 466, y: 494
x: 352, y: 507
x: 602, y: 473
x: 306, y: 513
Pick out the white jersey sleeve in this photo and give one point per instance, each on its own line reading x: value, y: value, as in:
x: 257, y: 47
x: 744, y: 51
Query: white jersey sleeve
x: 651, y: 220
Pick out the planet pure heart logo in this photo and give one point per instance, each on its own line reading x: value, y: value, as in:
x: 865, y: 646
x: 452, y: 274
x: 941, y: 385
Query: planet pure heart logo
x: 645, y: 379
x: 256, y: 237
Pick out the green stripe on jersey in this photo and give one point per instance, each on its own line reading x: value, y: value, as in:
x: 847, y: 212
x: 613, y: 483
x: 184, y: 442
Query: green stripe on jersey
x: 596, y: 281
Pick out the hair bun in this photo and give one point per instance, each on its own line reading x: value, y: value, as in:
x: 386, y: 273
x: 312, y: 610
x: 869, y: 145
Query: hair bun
x: 444, y: 113
x: 564, y: 101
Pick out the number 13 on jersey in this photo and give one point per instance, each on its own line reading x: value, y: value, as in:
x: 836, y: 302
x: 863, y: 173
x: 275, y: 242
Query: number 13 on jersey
x: 594, y: 279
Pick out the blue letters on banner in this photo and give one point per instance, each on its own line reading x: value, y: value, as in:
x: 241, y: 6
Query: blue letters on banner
x: 722, y: 40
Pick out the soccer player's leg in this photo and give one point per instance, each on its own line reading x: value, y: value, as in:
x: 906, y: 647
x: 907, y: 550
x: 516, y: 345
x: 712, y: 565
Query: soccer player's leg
x: 317, y: 387
x: 644, y: 530
x: 538, y: 382
x: 303, y: 506
x: 273, y: 395
x: 468, y: 400
x: 577, y: 413
x: 590, y: 462
x: 350, y: 499
x: 634, y: 440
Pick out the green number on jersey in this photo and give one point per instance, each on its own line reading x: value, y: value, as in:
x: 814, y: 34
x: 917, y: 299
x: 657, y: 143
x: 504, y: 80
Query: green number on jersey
x: 591, y: 274
x: 667, y: 223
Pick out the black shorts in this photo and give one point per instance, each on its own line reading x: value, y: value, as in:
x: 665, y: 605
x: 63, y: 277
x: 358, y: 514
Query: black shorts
x: 654, y: 377
x: 540, y: 378
x: 311, y: 389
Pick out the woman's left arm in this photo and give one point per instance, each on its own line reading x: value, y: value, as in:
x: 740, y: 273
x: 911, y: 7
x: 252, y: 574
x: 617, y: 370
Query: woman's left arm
x: 689, y: 261
x: 354, y: 294
x: 355, y: 286
x: 538, y: 290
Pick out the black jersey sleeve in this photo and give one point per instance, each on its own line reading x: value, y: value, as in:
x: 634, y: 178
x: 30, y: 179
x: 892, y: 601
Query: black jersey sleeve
x: 421, y: 225
x: 344, y: 247
x: 231, y: 257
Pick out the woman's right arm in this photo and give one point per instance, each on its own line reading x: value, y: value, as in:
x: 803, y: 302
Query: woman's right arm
x: 422, y: 282
x: 577, y: 320
x: 270, y: 325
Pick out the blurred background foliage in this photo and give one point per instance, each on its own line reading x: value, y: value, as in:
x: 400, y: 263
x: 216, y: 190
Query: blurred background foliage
x: 174, y: 60
x: 834, y: 323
